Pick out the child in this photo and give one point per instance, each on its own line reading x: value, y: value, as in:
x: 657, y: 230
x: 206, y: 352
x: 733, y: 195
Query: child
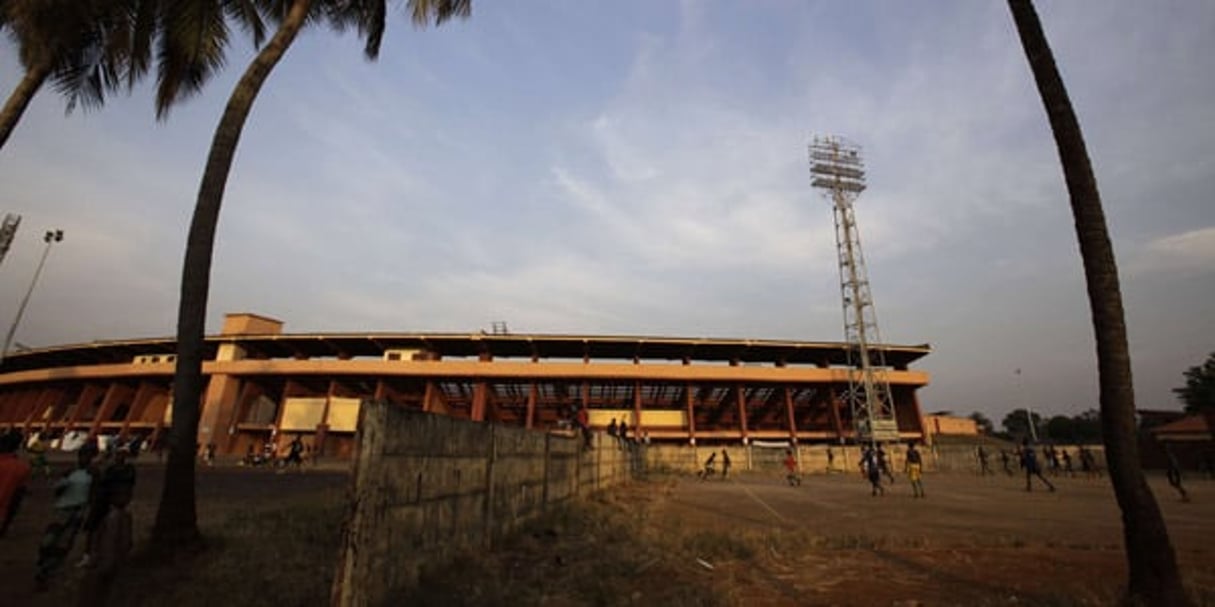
x: 71, y: 503
x: 112, y: 544
x: 791, y: 469
x: 707, y: 473
x: 914, y: 469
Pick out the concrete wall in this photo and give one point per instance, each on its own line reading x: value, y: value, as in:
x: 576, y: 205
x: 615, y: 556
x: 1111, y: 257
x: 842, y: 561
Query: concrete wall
x: 426, y: 486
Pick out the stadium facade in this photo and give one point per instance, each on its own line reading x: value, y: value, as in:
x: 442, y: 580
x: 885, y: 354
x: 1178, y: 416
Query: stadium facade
x: 264, y: 385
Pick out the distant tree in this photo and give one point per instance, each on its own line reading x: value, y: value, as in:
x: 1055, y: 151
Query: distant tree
x: 1060, y: 428
x: 1016, y: 423
x: 984, y: 424
x: 1086, y: 427
x: 1198, y: 393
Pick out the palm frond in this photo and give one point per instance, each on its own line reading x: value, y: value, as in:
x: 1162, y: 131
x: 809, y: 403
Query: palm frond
x: 246, y: 14
x: 192, y: 43
x: 423, y: 11
x: 143, y: 32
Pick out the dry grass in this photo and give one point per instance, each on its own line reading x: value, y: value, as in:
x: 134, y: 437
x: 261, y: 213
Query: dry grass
x: 282, y: 555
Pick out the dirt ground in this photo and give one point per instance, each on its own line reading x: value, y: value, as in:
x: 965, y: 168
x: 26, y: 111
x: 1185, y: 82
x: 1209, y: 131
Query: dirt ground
x: 973, y: 540
x: 749, y: 540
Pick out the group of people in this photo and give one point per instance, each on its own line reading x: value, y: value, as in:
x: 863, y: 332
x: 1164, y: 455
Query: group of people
x: 710, y: 467
x: 620, y: 433
x: 1057, y: 459
x: 874, y: 465
x: 268, y: 456
x: 625, y: 436
x: 90, y: 499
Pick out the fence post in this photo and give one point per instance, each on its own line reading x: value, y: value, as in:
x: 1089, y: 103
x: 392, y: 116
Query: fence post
x: 489, y: 486
x: 548, y: 438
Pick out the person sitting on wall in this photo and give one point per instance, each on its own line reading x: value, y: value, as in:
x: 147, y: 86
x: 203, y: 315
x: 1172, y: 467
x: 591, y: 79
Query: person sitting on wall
x: 584, y: 424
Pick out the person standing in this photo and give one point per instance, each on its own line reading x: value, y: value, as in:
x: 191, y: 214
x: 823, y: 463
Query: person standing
x: 111, y: 544
x: 624, y: 434
x: 614, y: 433
x: 14, y: 479
x: 984, y: 469
x: 707, y: 472
x: 118, y: 476
x: 1174, y: 473
x: 295, y: 452
x: 1004, y: 461
x: 37, y: 448
x: 830, y: 460
x: 884, y: 464
x: 1029, y: 461
x: 871, y: 470
x: 72, y: 500
x: 725, y: 464
x: 914, y: 467
x: 791, y: 469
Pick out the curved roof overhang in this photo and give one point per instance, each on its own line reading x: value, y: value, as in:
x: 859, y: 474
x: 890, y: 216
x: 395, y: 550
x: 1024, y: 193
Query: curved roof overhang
x: 361, y: 345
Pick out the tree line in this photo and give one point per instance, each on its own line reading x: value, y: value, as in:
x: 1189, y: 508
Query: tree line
x: 1197, y: 396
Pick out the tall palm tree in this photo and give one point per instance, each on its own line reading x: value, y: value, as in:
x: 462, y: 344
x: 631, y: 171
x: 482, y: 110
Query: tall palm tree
x: 85, y: 47
x: 176, y: 520
x: 1154, y: 577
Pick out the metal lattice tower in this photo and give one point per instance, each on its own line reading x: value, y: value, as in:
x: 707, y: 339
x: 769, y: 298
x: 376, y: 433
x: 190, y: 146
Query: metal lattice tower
x: 836, y: 168
x: 8, y: 229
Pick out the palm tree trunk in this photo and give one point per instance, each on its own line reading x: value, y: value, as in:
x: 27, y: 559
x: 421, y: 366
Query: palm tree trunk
x: 1154, y: 578
x: 20, y: 98
x: 176, y: 521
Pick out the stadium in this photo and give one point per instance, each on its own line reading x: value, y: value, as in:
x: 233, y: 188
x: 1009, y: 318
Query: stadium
x: 267, y: 386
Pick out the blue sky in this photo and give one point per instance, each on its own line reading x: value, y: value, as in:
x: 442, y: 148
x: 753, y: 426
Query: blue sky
x: 639, y: 168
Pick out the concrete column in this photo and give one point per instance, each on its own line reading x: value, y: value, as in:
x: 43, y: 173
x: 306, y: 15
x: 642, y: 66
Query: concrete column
x: 637, y: 427
x: 87, y: 395
x: 138, y: 402
x: 428, y: 397
x: 112, y: 396
x: 691, y: 414
x: 530, y: 421
x: 480, y: 391
x: 834, y: 403
x: 741, y: 392
x: 789, y: 412
x: 219, y: 399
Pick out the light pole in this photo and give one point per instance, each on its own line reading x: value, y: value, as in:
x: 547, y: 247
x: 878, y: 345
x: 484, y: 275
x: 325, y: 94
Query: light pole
x: 51, y: 237
x: 1029, y: 415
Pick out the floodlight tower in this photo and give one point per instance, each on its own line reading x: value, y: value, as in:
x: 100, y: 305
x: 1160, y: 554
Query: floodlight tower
x: 836, y: 168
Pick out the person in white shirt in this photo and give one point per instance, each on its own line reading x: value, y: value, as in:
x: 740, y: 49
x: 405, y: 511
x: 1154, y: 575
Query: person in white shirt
x: 71, y: 505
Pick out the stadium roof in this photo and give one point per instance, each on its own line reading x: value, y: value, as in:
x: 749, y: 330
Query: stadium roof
x: 355, y: 345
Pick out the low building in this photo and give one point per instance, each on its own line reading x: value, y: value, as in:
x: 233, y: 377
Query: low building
x: 949, y: 425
